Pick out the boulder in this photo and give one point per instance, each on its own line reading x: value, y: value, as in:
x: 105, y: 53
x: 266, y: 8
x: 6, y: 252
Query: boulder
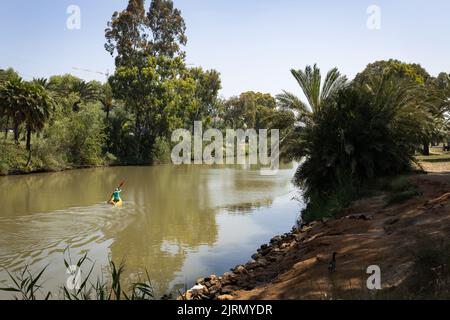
x: 240, y: 270
x: 276, y: 239
x: 229, y: 278
x: 256, y: 256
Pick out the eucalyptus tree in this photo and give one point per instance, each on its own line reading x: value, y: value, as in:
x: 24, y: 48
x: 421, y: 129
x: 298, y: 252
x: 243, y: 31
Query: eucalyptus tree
x: 158, y: 90
x: 134, y: 34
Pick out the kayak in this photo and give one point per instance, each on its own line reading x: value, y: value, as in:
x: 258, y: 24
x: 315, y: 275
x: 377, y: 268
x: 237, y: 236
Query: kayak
x: 116, y: 204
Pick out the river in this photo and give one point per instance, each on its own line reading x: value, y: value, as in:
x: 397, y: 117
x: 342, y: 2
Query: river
x: 177, y: 222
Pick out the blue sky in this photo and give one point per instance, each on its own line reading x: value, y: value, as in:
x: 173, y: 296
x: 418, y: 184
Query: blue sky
x: 252, y: 43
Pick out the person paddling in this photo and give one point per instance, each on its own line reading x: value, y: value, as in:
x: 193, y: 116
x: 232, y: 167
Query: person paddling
x: 116, y: 195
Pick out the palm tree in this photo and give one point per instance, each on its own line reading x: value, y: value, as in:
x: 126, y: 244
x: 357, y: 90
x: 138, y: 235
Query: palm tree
x: 86, y: 92
x: 25, y: 103
x: 107, y: 100
x: 316, y: 92
x: 11, y: 98
x: 36, y: 111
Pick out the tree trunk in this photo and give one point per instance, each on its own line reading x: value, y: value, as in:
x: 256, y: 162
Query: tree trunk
x: 6, y: 128
x: 426, y: 148
x: 28, y: 138
x: 16, y: 133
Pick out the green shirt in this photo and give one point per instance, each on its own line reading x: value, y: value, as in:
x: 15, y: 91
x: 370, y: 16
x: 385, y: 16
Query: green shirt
x: 116, y: 195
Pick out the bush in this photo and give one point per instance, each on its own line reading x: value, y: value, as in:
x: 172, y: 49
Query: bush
x: 47, y: 156
x: 4, y: 169
x: 360, y: 134
x: 161, y: 153
x: 121, y: 140
x: 74, y: 139
x: 12, y: 158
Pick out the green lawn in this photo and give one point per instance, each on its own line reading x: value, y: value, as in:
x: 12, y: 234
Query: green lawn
x: 443, y: 157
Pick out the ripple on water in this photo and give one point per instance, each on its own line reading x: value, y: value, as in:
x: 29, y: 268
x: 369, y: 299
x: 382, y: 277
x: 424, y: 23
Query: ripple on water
x: 27, y: 240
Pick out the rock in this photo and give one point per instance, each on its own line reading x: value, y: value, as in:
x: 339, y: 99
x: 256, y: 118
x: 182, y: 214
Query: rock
x: 229, y: 278
x: 225, y: 297
x: 285, y: 245
x: 251, y: 266
x: 240, y: 270
x: 305, y: 229
x: 198, y: 289
x: 265, y: 249
x: 229, y: 289
x: 256, y: 256
x: 213, y: 293
x: 262, y: 262
x: 215, y: 287
x: 276, y: 239
x: 200, y: 281
x: 186, y: 296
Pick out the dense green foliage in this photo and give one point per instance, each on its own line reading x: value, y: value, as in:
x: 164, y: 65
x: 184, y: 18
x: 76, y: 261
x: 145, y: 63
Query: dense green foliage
x: 371, y: 128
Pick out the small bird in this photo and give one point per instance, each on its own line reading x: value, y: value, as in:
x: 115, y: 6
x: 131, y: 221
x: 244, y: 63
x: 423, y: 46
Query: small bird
x: 332, y: 264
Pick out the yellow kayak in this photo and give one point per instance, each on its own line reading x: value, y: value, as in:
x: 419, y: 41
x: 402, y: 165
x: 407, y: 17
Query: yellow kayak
x: 116, y: 204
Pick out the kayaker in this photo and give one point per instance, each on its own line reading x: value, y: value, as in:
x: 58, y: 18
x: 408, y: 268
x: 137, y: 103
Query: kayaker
x: 116, y: 195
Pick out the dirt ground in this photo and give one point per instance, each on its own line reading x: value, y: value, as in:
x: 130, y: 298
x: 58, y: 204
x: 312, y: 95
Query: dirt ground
x: 369, y: 233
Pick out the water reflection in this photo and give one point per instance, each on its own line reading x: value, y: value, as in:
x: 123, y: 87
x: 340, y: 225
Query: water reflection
x: 177, y: 222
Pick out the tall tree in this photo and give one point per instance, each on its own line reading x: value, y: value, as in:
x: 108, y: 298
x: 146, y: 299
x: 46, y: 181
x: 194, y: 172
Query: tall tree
x: 316, y: 92
x: 414, y: 76
x: 151, y: 76
x: 207, y: 86
x: 249, y: 109
x: 25, y: 103
x: 167, y: 29
x: 6, y: 75
x: 86, y: 92
x: 134, y: 34
x: 124, y: 34
x: 160, y: 95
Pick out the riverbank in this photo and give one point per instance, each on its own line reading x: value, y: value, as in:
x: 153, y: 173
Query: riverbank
x: 407, y: 240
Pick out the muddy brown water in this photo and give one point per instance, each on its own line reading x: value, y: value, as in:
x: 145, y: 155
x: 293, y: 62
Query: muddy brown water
x: 177, y: 222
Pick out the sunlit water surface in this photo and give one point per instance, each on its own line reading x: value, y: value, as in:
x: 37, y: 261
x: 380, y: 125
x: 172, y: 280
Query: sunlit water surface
x: 177, y: 222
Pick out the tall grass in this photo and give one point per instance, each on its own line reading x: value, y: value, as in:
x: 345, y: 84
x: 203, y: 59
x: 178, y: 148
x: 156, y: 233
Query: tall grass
x: 26, y: 285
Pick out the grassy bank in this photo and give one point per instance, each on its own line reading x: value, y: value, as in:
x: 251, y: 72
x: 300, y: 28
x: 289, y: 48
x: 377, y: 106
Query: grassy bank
x: 15, y: 160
